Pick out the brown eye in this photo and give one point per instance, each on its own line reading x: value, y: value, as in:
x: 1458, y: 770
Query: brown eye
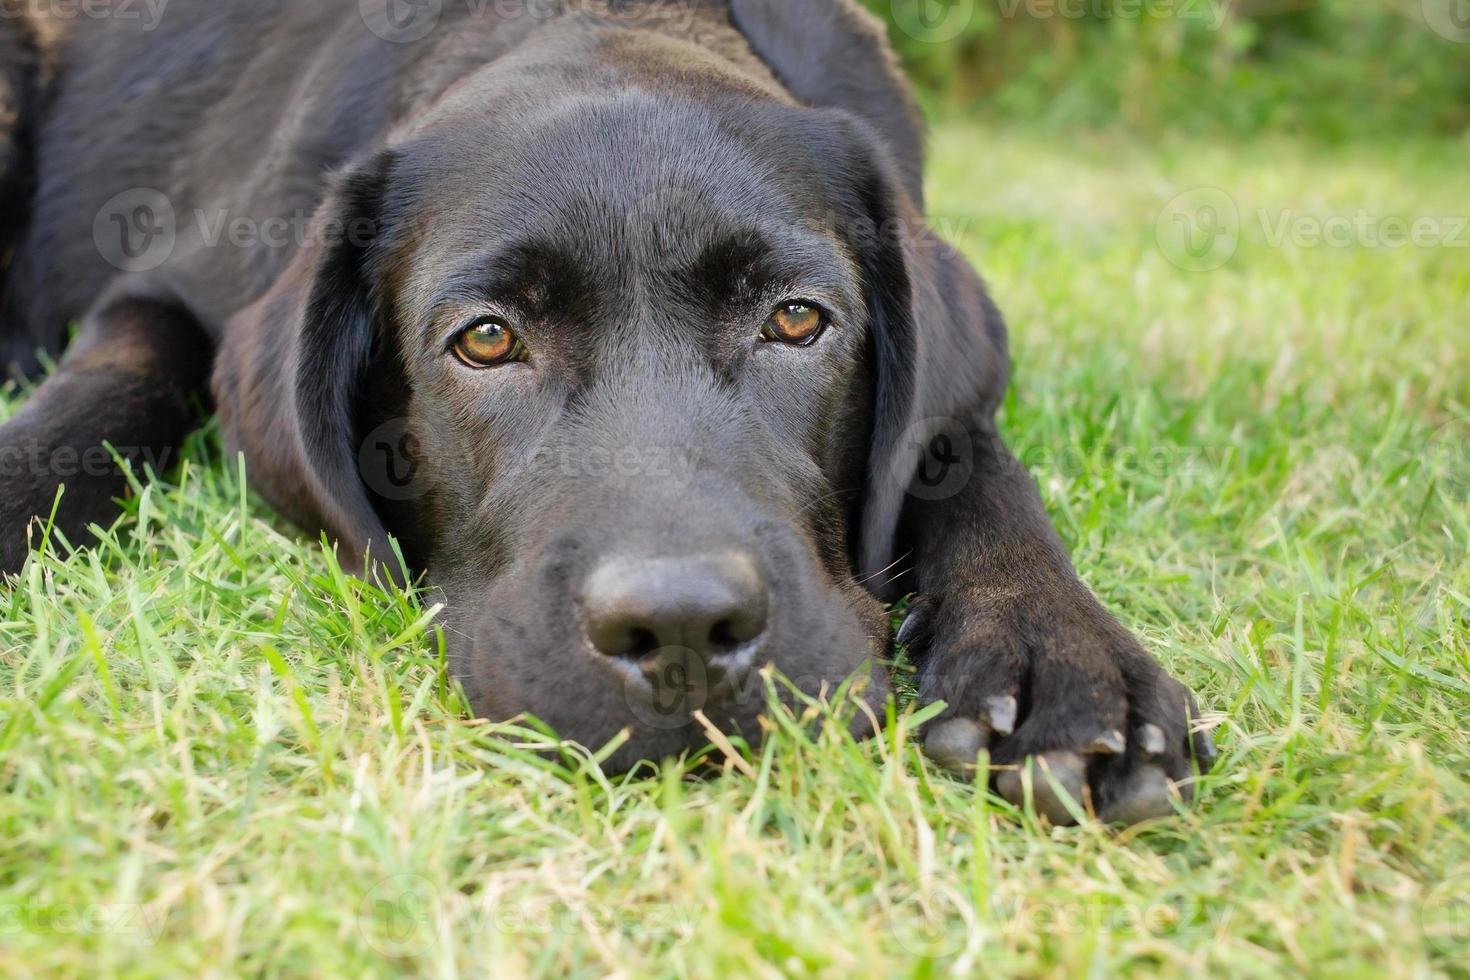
x: 488, y: 342
x: 799, y: 324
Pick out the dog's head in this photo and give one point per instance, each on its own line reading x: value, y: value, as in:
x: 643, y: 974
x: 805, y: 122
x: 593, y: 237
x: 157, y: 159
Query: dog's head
x: 625, y: 375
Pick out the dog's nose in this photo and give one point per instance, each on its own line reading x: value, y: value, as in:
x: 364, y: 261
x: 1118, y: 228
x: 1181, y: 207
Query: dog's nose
x: 712, y: 605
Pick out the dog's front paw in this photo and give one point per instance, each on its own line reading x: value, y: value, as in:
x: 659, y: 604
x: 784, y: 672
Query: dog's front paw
x: 1064, y: 699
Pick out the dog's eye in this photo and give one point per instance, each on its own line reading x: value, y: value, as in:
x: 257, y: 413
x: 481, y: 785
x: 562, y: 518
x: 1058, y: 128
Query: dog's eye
x: 797, y: 323
x: 488, y: 342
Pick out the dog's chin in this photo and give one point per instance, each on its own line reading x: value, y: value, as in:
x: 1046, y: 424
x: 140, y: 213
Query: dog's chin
x: 678, y: 705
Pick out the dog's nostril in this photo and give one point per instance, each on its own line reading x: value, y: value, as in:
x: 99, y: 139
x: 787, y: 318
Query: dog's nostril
x: 641, y: 644
x: 710, y: 605
x: 722, y: 637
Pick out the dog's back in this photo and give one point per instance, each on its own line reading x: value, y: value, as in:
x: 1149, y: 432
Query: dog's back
x: 190, y: 111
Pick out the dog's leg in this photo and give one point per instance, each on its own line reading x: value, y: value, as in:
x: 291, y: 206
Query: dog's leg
x: 126, y: 384
x: 1030, y: 663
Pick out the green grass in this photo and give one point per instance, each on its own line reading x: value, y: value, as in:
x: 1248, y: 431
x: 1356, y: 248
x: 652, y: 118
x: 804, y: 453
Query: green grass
x: 220, y: 755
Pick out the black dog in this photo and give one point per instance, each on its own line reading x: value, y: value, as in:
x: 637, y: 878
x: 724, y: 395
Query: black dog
x: 619, y: 315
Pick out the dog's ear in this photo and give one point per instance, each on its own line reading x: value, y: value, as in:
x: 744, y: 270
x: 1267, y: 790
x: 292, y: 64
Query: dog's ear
x: 835, y: 54
x: 20, y: 97
x: 293, y: 366
x: 938, y: 346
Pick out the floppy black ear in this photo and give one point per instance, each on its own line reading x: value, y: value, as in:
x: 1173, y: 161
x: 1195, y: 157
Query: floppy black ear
x: 20, y: 95
x: 835, y: 54
x: 293, y: 366
x: 938, y: 345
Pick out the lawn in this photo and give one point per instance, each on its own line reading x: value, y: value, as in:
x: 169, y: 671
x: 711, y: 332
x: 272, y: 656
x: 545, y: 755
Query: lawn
x: 222, y: 756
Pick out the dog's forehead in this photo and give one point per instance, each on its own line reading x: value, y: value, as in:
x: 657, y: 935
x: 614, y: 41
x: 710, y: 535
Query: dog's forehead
x: 607, y: 160
x: 599, y: 194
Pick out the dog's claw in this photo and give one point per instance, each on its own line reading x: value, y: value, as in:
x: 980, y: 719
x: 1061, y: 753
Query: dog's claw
x: 915, y: 625
x: 1151, y: 740
x: 1148, y: 795
x: 1000, y: 713
x: 1108, y: 743
x: 1054, y: 777
x: 954, y: 744
x: 1205, y: 752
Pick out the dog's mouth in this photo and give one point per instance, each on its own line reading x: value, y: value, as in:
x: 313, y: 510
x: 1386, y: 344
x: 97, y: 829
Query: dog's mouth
x: 660, y: 650
x: 679, y: 682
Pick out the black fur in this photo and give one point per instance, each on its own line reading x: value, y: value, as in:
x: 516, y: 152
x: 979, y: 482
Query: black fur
x: 634, y: 187
x: 20, y: 93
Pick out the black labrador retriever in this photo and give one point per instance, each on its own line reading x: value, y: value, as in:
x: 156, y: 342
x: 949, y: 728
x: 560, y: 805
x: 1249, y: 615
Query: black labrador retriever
x: 619, y: 316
